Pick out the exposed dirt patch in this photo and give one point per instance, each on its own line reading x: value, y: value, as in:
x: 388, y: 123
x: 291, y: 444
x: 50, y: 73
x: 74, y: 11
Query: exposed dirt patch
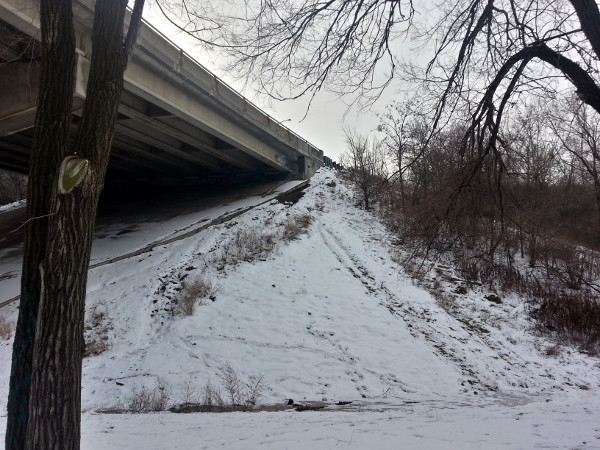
x: 292, y: 197
x: 189, y: 408
x: 125, y: 231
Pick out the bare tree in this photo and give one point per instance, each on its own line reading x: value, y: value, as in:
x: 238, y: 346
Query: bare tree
x: 531, y: 168
x: 405, y: 133
x: 579, y: 134
x: 294, y: 48
x: 20, y: 48
x: 365, y: 167
x: 505, y: 48
x: 487, y: 52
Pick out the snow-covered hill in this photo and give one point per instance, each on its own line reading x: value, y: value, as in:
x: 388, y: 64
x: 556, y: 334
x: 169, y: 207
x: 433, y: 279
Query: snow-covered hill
x: 324, y: 315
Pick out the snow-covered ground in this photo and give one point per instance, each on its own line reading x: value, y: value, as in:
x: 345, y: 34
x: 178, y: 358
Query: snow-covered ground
x: 326, y: 317
x: 12, y: 205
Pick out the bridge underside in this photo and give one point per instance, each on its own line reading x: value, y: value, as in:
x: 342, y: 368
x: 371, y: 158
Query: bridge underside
x: 151, y: 144
x: 177, y: 122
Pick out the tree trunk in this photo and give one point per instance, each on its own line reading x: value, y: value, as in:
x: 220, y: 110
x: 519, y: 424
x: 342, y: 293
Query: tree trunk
x: 50, y: 145
x: 597, y: 192
x: 45, y: 393
x: 589, y: 15
x: 55, y: 404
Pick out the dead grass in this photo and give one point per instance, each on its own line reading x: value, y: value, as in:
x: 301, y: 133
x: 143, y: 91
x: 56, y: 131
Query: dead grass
x: 97, y: 329
x: 195, y: 293
x: 248, y: 245
x: 96, y: 346
x: 574, y: 315
x: 257, y: 243
x: 6, y: 329
x: 296, y: 226
x: 144, y: 399
x: 560, y: 285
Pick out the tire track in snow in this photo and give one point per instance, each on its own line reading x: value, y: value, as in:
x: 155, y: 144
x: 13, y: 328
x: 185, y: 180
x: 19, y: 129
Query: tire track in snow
x: 417, y: 322
x: 460, y: 339
x: 339, y: 351
x: 247, y: 342
x: 343, y: 354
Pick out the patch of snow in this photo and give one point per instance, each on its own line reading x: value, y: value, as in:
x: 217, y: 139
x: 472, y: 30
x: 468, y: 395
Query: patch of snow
x: 327, y: 317
x: 563, y: 423
x: 12, y: 205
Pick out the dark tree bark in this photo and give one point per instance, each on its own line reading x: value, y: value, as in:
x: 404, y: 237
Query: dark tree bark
x: 588, y: 14
x: 51, y: 144
x: 45, y: 393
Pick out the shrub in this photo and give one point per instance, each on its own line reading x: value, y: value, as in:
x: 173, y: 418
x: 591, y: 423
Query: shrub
x: 233, y: 394
x: 188, y: 392
x: 238, y: 391
x: 148, y: 400
x: 197, y: 290
x: 573, y: 315
x: 232, y: 384
x: 295, y: 226
x: 211, y: 396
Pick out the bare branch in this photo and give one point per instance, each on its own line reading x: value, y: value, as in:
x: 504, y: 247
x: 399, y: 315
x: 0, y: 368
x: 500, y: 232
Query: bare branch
x: 134, y: 27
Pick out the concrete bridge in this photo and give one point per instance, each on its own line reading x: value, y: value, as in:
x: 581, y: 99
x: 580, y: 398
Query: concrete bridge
x: 177, y: 120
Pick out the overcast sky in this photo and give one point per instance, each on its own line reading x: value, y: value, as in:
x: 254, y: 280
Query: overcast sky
x: 323, y: 124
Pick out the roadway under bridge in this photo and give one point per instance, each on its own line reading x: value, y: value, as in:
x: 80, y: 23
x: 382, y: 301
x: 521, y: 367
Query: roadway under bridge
x: 177, y: 121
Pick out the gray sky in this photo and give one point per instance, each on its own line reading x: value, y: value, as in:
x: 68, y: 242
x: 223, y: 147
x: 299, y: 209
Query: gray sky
x: 324, y: 123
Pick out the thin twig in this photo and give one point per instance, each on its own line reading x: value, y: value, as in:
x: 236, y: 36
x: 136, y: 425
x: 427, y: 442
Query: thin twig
x: 29, y: 220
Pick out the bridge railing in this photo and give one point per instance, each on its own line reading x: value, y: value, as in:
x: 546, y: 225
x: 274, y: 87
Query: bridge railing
x: 223, y: 89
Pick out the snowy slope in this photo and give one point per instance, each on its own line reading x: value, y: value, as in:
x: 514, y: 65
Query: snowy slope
x: 327, y: 317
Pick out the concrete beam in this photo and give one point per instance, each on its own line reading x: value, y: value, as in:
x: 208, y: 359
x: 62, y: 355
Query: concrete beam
x: 171, y: 148
x: 133, y: 164
x: 169, y: 130
x: 146, y: 155
x: 182, y: 103
x: 23, y: 15
x: 17, y: 109
x: 19, y: 102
